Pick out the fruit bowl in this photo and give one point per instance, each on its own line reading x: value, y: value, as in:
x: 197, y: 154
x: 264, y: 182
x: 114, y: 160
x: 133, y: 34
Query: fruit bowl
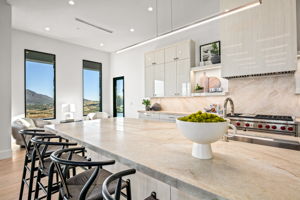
x: 202, y: 134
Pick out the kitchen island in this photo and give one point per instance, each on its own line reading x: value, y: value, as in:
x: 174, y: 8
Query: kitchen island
x: 162, y: 157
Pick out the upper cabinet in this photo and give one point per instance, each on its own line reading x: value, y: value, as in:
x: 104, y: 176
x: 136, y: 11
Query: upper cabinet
x: 260, y: 40
x: 155, y: 57
x: 179, y: 51
x: 167, y: 70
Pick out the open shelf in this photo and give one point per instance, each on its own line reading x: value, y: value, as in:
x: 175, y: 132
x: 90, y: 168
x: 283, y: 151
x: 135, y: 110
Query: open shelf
x: 205, y: 68
x: 207, y: 94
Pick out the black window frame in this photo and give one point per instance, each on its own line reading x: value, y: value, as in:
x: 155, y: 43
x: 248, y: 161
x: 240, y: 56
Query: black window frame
x: 100, y: 85
x: 115, y: 79
x: 54, y: 82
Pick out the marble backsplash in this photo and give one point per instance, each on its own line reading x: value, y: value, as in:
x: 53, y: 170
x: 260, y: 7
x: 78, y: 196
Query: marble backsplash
x: 274, y: 95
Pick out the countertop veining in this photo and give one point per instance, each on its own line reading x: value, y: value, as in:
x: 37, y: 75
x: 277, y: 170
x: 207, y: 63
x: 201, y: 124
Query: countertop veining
x: 238, y: 170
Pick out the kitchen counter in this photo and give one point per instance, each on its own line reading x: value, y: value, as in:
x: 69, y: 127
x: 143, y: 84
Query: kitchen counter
x: 157, y: 149
x: 165, y: 112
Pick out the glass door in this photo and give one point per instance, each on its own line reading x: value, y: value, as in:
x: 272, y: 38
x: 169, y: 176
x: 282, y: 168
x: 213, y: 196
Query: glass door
x: 118, y: 92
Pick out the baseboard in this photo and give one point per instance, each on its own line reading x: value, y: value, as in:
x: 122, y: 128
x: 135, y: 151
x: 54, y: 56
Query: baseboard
x: 5, y: 154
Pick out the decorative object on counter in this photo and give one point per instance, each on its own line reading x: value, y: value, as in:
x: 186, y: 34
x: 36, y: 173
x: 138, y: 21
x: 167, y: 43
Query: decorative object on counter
x: 198, y: 88
x: 213, y: 108
x: 156, y: 107
x: 204, y: 129
x: 214, y: 82
x: 204, y: 81
x: 146, y: 103
x: 210, y: 53
x: 212, y: 90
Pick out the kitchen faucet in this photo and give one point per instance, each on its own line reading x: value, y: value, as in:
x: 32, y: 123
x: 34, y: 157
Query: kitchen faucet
x: 231, y: 105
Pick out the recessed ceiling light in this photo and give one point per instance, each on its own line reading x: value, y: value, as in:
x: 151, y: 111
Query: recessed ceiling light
x: 71, y: 2
x: 132, y: 30
x: 150, y: 9
x: 47, y: 28
x: 101, y: 44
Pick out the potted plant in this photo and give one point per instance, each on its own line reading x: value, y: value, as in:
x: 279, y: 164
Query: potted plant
x: 147, y: 104
x: 215, y: 52
x: 198, y: 88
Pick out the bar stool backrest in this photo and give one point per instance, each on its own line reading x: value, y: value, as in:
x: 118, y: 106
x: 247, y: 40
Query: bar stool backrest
x: 118, y: 176
x: 62, y: 166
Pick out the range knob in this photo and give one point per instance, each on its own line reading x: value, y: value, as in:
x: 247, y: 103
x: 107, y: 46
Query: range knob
x: 247, y: 124
x: 274, y: 127
x: 238, y: 123
x: 282, y: 128
x: 267, y: 126
x: 290, y: 128
x: 260, y: 126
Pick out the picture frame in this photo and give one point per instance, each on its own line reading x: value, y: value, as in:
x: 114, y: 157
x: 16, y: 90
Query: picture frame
x: 210, y: 53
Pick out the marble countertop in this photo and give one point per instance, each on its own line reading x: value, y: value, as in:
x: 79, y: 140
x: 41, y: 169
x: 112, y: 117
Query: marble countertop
x: 238, y: 170
x: 165, y: 112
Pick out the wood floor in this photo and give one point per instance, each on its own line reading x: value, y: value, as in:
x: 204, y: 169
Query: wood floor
x: 10, y: 175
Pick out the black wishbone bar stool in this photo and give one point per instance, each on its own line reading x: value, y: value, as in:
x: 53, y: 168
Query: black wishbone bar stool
x: 88, y: 184
x: 117, y: 179
x: 30, y: 158
x: 46, y: 167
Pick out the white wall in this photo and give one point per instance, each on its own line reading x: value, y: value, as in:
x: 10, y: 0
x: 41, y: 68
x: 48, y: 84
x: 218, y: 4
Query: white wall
x: 68, y: 70
x: 130, y: 64
x: 5, y: 82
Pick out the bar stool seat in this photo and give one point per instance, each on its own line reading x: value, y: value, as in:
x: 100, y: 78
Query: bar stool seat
x: 47, y: 162
x: 76, y: 183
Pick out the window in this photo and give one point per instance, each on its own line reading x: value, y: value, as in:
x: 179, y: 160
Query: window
x: 92, y: 88
x: 118, y: 93
x: 39, y: 85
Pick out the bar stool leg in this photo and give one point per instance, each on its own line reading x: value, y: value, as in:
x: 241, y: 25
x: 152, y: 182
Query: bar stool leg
x: 37, y: 186
x: 128, y: 190
x: 23, y: 177
x: 31, y: 176
x: 50, y: 181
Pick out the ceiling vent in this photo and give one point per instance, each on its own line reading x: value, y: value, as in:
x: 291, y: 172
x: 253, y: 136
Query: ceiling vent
x: 93, y: 25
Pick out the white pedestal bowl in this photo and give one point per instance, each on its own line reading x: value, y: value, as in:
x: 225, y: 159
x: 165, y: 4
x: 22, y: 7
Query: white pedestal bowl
x: 203, y: 134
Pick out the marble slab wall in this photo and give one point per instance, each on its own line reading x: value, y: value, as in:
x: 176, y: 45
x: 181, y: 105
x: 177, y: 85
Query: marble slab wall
x: 273, y: 95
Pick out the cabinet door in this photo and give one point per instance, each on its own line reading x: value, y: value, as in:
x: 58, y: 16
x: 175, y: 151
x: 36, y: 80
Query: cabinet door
x: 170, y: 54
x: 260, y: 40
x: 183, y: 77
x: 149, y: 58
x: 170, y: 79
x: 149, y: 76
x: 159, y: 80
x: 183, y: 50
x: 159, y: 56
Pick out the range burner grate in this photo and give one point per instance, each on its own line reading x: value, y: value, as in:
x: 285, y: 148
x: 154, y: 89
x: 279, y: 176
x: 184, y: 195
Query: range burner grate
x: 274, y: 117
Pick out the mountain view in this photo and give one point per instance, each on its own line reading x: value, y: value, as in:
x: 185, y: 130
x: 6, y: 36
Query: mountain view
x: 39, y: 105
x: 90, y: 106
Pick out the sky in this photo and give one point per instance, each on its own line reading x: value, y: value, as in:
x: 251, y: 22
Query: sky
x: 91, y: 84
x: 39, y: 78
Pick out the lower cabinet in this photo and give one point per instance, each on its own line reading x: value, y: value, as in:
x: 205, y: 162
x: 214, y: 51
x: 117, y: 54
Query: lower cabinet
x: 143, y: 185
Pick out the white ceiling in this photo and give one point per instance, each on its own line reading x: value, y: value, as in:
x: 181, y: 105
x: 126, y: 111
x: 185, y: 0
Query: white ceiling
x: 116, y: 15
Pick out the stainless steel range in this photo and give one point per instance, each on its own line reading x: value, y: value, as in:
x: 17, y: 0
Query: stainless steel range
x: 276, y: 124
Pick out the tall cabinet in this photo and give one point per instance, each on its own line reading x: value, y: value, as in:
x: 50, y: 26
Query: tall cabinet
x: 167, y: 70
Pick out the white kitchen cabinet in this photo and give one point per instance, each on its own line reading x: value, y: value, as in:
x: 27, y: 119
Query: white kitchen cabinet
x: 169, y: 70
x: 159, y: 56
x: 181, y: 50
x: 170, y: 54
x: 183, y: 77
x: 260, y: 40
x: 159, y: 116
x: 149, y: 78
x: 159, y: 80
x: 155, y: 57
x: 170, y: 79
x: 149, y: 58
